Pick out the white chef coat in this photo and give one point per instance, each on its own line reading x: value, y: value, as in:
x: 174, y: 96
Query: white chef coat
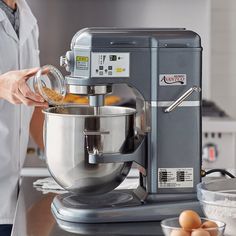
x: 15, y: 54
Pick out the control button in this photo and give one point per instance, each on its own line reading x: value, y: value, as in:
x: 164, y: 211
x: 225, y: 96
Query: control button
x: 100, y: 67
x: 109, y: 67
x: 96, y: 70
x: 109, y: 72
x: 105, y: 70
x: 100, y: 72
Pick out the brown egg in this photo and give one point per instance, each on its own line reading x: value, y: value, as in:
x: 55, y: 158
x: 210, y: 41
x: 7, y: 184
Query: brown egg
x: 200, y: 232
x: 180, y: 232
x: 210, y: 224
x: 189, y: 220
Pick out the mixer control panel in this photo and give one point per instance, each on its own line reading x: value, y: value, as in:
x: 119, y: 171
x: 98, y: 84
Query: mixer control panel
x: 110, y: 64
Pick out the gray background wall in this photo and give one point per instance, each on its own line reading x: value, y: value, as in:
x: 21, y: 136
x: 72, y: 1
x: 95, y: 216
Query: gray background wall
x: 223, y: 54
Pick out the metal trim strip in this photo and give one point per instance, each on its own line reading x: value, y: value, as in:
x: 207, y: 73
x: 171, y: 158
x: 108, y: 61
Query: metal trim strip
x: 168, y: 103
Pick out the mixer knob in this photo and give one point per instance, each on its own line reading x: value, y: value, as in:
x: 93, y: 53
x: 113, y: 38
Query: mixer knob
x: 67, y: 61
x: 63, y: 61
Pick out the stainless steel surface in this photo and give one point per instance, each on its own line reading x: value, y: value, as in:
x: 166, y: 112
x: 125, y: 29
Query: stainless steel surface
x: 66, y: 146
x: 96, y: 100
x: 74, y: 89
x: 182, y: 98
x: 33, y: 217
x: 89, y: 90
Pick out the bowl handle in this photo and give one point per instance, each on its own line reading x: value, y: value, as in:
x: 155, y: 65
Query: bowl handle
x: 87, y: 133
x: 137, y: 156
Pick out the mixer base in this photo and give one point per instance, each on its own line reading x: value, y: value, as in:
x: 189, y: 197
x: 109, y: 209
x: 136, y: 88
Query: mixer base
x: 116, y: 206
x: 112, y: 229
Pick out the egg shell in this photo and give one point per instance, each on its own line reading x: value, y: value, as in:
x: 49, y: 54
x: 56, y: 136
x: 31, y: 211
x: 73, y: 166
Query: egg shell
x: 210, y: 224
x: 180, y: 232
x: 189, y: 220
x: 200, y: 232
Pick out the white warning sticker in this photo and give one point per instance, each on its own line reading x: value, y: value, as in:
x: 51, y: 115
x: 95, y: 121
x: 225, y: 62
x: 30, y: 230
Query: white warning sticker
x: 175, y: 177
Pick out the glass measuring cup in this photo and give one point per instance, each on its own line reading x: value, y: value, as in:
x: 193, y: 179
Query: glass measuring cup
x: 50, y: 84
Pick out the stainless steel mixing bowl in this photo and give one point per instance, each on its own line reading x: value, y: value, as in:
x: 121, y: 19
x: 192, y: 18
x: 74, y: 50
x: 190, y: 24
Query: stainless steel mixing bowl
x: 70, y: 132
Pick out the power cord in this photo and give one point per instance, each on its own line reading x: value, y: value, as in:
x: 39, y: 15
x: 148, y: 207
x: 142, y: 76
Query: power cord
x: 222, y: 171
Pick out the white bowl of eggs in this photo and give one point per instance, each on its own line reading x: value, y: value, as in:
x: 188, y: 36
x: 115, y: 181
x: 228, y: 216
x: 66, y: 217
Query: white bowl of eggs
x: 189, y: 223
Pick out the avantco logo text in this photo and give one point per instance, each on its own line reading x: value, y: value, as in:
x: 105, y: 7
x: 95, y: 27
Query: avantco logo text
x: 172, y: 79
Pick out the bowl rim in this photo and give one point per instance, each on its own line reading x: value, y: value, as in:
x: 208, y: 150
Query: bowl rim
x: 129, y: 111
x: 202, y: 190
x: 221, y: 227
x: 216, y: 204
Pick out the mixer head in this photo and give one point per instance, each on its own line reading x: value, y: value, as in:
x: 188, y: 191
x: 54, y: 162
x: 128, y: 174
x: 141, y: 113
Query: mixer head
x: 93, y: 71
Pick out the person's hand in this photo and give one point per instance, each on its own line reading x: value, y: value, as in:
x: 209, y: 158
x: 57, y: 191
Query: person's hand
x: 14, y: 88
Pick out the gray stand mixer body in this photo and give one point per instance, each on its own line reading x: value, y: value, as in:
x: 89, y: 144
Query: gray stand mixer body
x: 162, y: 65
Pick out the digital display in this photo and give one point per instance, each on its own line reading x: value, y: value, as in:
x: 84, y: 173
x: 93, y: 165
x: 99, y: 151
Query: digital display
x: 113, y: 57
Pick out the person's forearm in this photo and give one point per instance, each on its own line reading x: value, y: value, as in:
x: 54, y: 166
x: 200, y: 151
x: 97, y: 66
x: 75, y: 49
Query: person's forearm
x: 1, y: 86
x: 14, y: 88
x: 36, y: 127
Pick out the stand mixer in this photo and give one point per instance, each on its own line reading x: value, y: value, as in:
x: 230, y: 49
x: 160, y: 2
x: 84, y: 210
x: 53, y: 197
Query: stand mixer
x: 90, y: 149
